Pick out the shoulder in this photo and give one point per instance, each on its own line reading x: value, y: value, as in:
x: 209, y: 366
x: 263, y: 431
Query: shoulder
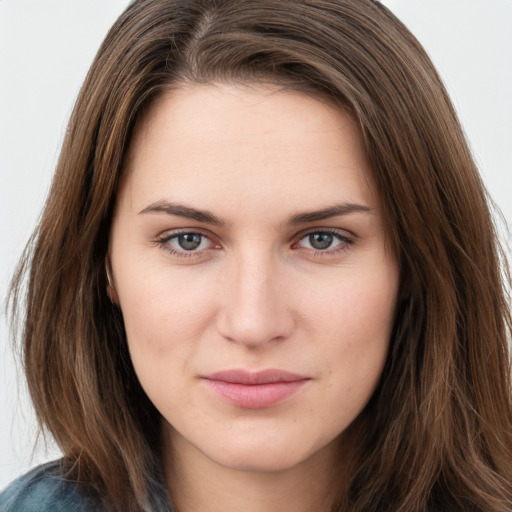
x: 44, y: 489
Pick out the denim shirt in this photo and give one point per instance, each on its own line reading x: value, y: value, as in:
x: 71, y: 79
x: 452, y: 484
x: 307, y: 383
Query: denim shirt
x: 44, y: 489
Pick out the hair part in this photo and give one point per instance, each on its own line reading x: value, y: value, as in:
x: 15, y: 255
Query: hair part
x: 443, y: 439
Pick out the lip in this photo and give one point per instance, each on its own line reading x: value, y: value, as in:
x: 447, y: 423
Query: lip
x: 255, y: 390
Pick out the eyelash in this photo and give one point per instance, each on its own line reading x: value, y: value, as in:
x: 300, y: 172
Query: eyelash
x: 163, y: 243
x: 345, y: 242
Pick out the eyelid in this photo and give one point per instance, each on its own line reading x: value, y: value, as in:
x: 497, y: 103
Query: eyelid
x: 343, y: 233
x: 345, y: 237
x: 163, y: 239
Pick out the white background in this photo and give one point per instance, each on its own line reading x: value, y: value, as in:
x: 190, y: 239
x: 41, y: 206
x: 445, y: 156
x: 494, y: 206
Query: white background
x: 46, y: 47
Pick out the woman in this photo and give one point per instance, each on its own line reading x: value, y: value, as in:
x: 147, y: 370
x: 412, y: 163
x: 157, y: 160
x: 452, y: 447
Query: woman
x: 266, y: 276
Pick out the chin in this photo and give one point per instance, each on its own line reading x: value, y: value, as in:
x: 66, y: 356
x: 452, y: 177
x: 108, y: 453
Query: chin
x: 259, y: 460
x: 269, y: 454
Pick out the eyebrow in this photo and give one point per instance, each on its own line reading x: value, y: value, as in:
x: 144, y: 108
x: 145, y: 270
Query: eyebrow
x: 186, y: 212
x: 205, y: 216
x: 326, y: 213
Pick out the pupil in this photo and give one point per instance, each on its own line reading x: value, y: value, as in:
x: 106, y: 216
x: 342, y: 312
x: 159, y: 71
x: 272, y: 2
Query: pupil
x: 320, y: 240
x: 189, y: 241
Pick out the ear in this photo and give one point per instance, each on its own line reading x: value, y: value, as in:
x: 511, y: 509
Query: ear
x: 111, y: 289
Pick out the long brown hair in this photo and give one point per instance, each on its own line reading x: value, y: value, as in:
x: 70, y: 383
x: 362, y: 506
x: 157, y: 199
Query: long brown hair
x: 437, y: 434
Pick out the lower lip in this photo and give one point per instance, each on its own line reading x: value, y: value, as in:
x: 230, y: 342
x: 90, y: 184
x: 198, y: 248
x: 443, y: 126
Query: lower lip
x: 255, y: 396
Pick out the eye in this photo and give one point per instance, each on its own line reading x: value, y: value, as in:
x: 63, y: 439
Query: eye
x: 188, y: 241
x: 185, y: 243
x: 324, y: 241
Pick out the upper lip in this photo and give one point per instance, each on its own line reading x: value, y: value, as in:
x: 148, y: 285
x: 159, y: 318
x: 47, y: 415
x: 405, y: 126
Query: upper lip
x: 268, y: 376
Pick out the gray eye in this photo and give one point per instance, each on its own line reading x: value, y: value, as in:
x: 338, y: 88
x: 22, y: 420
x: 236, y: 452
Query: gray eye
x: 320, y: 241
x: 189, y: 241
x: 324, y: 241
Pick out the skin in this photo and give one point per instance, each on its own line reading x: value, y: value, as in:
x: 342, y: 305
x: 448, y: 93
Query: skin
x: 257, y: 293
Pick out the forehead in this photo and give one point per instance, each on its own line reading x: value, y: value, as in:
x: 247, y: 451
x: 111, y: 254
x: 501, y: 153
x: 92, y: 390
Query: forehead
x: 243, y: 144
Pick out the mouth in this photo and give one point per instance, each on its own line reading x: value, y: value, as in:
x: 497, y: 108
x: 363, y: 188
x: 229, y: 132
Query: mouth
x: 255, y: 390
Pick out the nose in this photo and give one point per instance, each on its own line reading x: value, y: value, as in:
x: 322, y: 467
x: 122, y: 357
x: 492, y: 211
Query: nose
x: 256, y: 306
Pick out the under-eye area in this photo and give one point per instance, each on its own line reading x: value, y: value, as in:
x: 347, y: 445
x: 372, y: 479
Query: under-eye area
x: 185, y: 243
x: 322, y: 242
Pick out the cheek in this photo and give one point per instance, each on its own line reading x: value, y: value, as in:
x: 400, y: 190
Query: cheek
x: 358, y: 318
x: 165, y: 322
x: 359, y: 306
x: 164, y: 317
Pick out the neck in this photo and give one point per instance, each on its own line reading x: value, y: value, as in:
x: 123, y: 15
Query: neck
x: 196, y: 482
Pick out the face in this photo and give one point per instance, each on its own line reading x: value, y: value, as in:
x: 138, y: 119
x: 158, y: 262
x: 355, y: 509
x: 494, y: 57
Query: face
x: 251, y: 266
